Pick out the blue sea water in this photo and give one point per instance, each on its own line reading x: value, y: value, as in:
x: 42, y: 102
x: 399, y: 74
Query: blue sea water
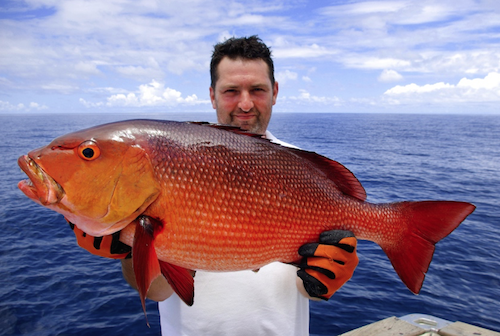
x: 49, y: 286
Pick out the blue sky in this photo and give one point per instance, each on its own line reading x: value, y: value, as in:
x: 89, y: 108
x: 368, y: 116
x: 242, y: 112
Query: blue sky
x: 83, y: 56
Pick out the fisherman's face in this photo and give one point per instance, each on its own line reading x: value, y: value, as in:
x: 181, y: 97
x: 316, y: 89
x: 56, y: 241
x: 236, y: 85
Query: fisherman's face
x: 243, y: 94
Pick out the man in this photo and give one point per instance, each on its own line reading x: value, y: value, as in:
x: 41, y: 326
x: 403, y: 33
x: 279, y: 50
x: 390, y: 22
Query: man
x: 274, y: 300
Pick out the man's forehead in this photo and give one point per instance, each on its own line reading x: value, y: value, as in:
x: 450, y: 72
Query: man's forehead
x: 244, y: 68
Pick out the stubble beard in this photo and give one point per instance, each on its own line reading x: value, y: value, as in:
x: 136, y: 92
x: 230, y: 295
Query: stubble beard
x: 253, y: 126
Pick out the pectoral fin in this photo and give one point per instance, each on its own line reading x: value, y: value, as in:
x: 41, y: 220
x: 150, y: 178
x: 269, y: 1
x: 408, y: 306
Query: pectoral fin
x: 144, y: 259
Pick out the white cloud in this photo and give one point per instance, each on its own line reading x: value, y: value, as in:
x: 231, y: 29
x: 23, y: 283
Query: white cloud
x: 476, y: 90
x: 491, y: 82
x: 36, y: 106
x: 7, y: 106
x: 362, y: 8
x: 90, y: 104
x: 137, y: 71
x: 306, y: 51
x: 59, y: 87
x: 417, y: 89
x: 284, y: 76
x: 368, y: 62
x: 152, y: 94
x: 390, y: 76
x: 306, y: 97
x: 89, y: 68
x: 107, y: 90
x: 78, y: 46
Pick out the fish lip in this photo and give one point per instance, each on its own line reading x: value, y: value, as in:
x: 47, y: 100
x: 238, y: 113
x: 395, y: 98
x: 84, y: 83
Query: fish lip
x: 39, y: 186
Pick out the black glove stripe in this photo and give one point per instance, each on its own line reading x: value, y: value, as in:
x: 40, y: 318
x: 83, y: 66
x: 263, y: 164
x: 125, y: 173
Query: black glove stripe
x: 313, y: 286
x: 308, y: 250
x: 97, y: 243
x: 321, y: 270
x: 117, y: 247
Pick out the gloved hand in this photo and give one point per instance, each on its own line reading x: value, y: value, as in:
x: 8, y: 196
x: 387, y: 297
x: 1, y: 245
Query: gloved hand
x: 108, y: 246
x: 327, y: 265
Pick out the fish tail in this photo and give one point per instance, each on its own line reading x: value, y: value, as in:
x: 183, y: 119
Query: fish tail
x: 427, y: 223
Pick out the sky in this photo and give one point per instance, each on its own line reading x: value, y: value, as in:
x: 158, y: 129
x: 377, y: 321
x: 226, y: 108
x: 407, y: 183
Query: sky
x: 86, y: 56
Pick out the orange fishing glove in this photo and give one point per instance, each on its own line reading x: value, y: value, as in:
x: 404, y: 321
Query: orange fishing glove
x: 327, y: 265
x: 108, y: 246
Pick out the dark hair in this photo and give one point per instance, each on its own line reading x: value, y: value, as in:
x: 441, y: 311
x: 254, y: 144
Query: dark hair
x: 250, y: 48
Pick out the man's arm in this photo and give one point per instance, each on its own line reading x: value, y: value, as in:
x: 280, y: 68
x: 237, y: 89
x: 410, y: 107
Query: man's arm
x: 159, y: 290
x: 111, y: 247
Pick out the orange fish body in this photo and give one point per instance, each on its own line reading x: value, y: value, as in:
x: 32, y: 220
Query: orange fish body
x: 207, y: 197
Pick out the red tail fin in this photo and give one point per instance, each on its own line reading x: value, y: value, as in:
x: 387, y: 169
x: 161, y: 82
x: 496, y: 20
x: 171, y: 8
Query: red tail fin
x: 428, y: 222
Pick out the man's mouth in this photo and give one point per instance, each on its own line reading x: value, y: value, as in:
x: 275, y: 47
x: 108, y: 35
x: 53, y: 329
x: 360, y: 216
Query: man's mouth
x: 245, y: 117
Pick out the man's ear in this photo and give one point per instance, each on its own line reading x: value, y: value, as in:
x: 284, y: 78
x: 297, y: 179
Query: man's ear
x: 275, y: 92
x: 212, y: 97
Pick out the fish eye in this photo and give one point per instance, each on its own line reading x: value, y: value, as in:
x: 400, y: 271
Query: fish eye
x: 89, y: 150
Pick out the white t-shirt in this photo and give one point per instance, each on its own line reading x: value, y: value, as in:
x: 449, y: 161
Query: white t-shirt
x: 240, y: 303
x: 271, y: 137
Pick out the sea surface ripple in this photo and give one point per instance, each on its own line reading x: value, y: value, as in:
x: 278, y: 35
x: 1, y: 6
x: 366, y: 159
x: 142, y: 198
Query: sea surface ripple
x: 49, y: 286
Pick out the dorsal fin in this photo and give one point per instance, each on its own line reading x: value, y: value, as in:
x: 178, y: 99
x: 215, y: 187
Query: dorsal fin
x: 343, y: 178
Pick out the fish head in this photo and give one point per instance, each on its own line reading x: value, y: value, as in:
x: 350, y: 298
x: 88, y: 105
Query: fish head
x: 100, y: 179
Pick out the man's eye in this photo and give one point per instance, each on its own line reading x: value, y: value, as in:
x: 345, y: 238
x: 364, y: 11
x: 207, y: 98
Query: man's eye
x: 230, y: 92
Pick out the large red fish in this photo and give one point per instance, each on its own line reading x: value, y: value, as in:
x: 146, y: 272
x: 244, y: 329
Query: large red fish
x: 205, y: 197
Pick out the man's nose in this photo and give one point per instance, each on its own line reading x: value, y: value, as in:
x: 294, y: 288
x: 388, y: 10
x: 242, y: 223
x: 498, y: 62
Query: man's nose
x: 246, y: 102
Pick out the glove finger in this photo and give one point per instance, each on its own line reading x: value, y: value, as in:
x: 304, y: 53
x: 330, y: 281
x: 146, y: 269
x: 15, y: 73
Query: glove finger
x: 113, y: 244
x: 330, y: 269
x: 322, y: 265
x: 330, y: 285
x: 334, y: 236
x: 308, y: 250
x: 334, y: 253
x: 313, y: 286
x: 108, y: 246
x: 342, y: 238
x: 83, y: 240
x: 318, y: 285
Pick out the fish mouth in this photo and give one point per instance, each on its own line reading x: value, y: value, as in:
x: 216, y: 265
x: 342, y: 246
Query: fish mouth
x: 39, y: 186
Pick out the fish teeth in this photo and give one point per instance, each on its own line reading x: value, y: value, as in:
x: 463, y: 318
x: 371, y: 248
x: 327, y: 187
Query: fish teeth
x: 36, y: 169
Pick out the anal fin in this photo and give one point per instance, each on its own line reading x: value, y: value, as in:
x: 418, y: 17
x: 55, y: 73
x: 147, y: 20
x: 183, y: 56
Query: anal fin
x: 180, y: 279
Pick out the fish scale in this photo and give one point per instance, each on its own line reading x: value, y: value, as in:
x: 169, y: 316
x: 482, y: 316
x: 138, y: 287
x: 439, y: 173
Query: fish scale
x: 235, y: 197
x: 187, y: 196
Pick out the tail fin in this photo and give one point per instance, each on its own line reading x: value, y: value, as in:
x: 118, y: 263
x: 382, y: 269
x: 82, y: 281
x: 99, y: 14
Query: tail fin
x: 428, y: 223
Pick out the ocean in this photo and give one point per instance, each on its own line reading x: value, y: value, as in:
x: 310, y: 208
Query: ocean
x: 49, y: 286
